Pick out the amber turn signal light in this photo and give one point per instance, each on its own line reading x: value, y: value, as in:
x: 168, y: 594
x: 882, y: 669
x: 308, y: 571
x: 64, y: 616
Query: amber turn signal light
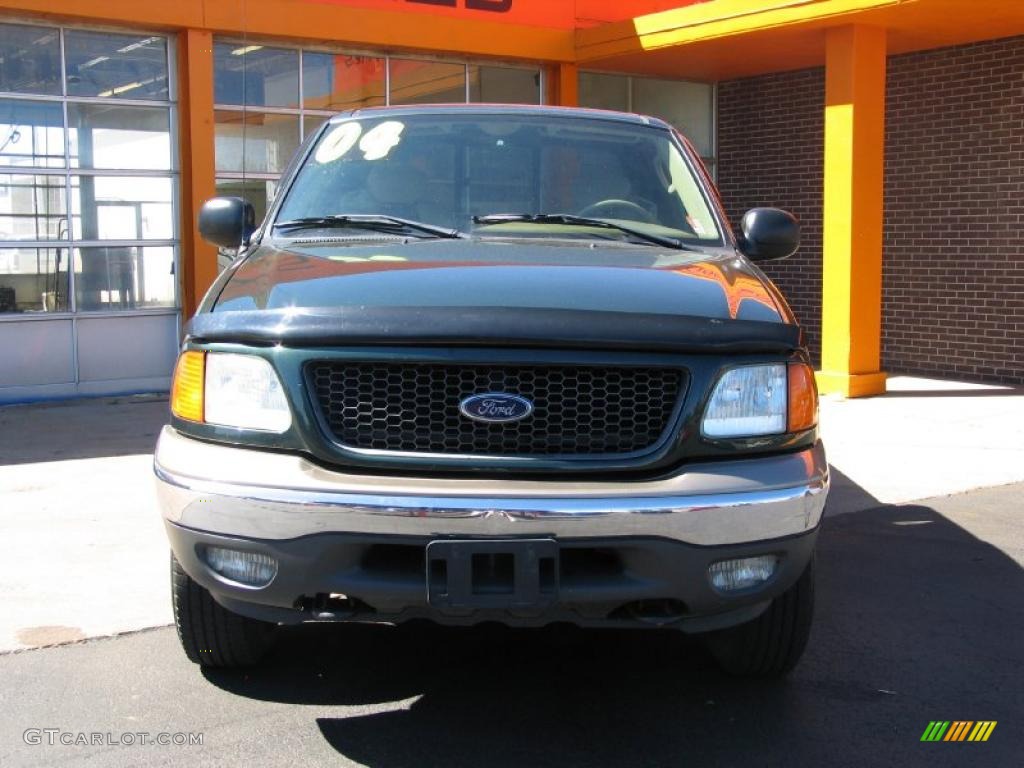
x: 187, y: 388
x: 803, y: 398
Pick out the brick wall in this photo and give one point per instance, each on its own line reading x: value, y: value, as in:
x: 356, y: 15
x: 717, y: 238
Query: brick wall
x: 770, y: 134
x: 953, y: 279
x: 953, y: 295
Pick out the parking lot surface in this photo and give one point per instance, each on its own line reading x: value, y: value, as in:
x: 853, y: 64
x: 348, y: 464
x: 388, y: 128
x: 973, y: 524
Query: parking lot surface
x: 920, y: 617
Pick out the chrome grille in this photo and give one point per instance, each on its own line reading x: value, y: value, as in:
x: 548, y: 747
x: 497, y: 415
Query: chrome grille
x: 414, y: 407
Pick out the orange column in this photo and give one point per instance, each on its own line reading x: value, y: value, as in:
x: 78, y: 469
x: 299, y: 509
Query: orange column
x: 198, y: 181
x: 852, y: 254
x: 564, y: 79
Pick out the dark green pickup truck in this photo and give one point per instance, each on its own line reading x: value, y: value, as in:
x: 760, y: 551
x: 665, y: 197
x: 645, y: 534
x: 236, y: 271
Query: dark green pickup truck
x: 494, y: 364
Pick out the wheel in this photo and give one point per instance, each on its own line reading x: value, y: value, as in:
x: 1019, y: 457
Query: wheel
x: 606, y: 209
x: 210, y: 634
x: 771, y: 644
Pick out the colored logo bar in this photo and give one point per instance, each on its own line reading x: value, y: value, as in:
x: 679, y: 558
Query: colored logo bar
x: 958, y: 730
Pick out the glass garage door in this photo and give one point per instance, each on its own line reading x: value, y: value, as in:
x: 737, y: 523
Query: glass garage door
x: 88, y: 212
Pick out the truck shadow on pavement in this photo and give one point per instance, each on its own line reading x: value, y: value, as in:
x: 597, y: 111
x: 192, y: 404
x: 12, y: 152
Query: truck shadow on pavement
x: 917, y: 620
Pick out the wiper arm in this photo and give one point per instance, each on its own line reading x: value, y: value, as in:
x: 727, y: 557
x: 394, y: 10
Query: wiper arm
x: 372, y: 221
x: 581, y: 221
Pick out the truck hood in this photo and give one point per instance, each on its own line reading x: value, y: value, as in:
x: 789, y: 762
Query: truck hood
x: 478, y: 291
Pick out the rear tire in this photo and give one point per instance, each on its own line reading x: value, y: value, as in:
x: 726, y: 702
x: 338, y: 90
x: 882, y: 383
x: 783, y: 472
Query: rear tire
x: 211, y: 635
x: 771, y: 644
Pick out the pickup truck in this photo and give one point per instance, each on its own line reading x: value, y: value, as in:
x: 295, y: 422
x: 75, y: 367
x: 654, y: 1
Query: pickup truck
x: 494, y: 363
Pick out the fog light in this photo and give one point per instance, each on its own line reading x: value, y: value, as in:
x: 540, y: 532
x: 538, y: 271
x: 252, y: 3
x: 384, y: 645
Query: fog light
x: 730, y: 575
x: 250, y: 568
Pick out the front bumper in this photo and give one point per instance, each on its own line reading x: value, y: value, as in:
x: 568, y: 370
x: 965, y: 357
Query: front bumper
x: 623, y: 546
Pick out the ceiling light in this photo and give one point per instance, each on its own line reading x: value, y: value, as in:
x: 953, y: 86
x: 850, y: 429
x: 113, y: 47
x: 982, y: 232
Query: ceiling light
x: 246, y: 49
x: 123, y: 89
x: 139, y: 44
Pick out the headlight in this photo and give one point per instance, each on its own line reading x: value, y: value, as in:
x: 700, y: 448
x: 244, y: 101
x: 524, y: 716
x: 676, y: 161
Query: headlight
x: 229, y: 390
x: 747, y: 402
x: 243, y: 391
x: 755, y: 400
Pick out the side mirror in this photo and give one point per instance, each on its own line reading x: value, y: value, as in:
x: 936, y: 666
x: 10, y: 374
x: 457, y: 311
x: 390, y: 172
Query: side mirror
x: 769, y: 233
x: 227, y: 222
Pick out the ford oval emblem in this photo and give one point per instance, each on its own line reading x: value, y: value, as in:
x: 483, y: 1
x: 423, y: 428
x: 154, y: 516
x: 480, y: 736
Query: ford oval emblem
x: 496, y: 407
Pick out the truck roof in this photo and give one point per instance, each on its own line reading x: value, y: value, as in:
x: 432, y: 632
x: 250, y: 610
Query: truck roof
x: 503, y: 109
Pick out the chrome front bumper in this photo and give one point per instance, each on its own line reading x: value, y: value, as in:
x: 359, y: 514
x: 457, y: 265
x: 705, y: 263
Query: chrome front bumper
x: 271, y: 496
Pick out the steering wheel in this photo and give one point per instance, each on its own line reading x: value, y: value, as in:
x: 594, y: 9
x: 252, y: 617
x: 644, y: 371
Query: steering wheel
x: 605, y: 208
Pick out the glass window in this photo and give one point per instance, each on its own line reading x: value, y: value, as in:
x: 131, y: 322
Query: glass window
x: 502, y: 176
x: 33, y: 280
x: 337, y: 82
x: 687, y: 106
x: 255, y: 75
x: 255, y: 142
x: 121, y: 184
x: 122, y: 208
x: 504, y: 85
x: 116, y: 66
x: 426, y: 82
x: 32, y: 207
x: 289, y: 93
x: 312, y: 123
x: 690, y: 107
x: 124, y: 277
x: 118, y: 137
x: 445, y: 169
x: 690, y: 198
x: 259, y: 192
x: 604, y: 91
x: 29, y: 59
x: 31, y: 134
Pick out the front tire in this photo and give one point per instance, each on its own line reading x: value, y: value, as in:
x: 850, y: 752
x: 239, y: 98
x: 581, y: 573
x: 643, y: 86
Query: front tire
x: 771, y: 644
x: 211, y: 635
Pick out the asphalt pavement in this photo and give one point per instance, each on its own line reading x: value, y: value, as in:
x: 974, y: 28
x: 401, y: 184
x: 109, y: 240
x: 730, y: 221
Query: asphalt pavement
x: 920, y: 618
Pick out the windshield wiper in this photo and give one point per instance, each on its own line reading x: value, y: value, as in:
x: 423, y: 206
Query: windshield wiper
x: 392, y: 225
x: 581, y: 221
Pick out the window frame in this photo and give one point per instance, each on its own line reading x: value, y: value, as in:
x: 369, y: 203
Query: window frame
x: 322, y: 114
x: 70, y: 244
x: 711, y: 163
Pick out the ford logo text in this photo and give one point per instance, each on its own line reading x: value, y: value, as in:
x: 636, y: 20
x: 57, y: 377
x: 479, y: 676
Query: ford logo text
x: 496, y: 407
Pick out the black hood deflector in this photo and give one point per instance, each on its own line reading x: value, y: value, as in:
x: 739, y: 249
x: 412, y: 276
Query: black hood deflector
x: 491, y: 327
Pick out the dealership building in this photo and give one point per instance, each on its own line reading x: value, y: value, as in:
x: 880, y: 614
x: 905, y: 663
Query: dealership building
x: 894, y: 129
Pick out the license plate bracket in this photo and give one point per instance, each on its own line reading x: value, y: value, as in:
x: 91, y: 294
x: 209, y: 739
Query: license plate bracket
x: 513, y: 574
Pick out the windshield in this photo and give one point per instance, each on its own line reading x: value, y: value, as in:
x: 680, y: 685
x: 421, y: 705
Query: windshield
x: 461, y: 171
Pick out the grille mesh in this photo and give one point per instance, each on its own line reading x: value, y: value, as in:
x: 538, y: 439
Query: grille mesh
x: 414, y: 407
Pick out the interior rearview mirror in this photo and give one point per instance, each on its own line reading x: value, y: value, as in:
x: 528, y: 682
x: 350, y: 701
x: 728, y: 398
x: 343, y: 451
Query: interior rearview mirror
x: 227, y: 222
x: 769, y: 233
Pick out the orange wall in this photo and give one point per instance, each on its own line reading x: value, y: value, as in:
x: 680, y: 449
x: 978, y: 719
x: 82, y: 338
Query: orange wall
x: 537, y: 30
x: 561, y: 14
